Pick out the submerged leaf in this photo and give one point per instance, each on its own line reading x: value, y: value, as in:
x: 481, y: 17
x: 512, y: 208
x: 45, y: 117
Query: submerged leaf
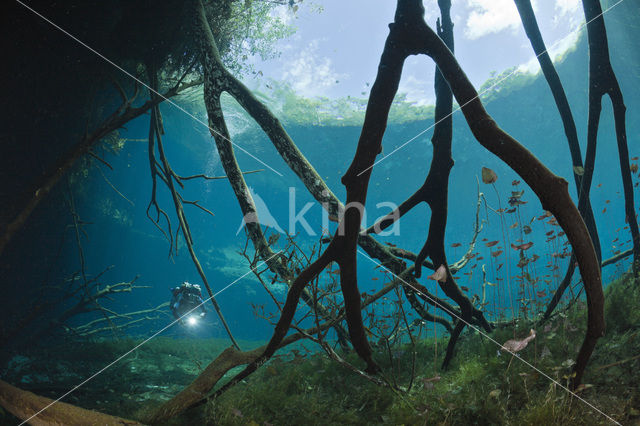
x: 435, y: 378
x: 488, y: 175
x: 583, y: 386
x: 514, y: 346
x: 495, y: 393
x: 578, y: 170
x: 439, y: 275
x: 524, y: 246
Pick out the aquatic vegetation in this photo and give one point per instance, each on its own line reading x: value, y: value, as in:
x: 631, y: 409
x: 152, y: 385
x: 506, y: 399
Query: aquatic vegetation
x: 296, y: 110
x: 518, y: 345
x: 355, y: 331
x: 479, y: 388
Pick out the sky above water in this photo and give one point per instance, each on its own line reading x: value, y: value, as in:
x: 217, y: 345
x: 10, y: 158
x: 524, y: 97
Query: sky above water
x: 337, y: 45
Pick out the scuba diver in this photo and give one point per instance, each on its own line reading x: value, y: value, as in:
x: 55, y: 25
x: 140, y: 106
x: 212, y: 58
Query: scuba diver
x: 187, y: 304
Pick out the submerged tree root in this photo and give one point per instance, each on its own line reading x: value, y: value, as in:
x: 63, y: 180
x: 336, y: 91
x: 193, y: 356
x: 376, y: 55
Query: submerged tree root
x: 532, y: 30
x: 24, y: 405
x: 549, y: 188
x: 119, y: 118
x: 199, y: 391
x: 202, y: 385
x: 603, y: 81
x: 410, y: 35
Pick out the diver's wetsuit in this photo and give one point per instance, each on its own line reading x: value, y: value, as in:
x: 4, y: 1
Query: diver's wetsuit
x: 185, y: 298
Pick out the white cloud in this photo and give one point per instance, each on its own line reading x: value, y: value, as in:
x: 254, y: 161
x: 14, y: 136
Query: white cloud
x: 568, y: 13
x: 431, y: 12
x: 310, y: 74
x: 567, y: 6
x: 491, y: 16
x: 418, y: 91
x: 557, y: 49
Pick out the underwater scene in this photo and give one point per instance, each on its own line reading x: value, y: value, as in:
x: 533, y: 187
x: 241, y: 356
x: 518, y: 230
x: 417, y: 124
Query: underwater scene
x: 320, y: 212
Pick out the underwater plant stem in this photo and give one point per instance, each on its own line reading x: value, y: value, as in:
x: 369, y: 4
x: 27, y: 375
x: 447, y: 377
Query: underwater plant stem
x: 435, y: 345
x: 259, y: 277
x: 507, y: 242
x: 477, y: 227
x: 413, y: 342
x: 114, y: 187
x: 557, y: 296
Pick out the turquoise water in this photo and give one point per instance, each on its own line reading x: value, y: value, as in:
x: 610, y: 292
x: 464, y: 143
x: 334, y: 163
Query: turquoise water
x: 92, y: 231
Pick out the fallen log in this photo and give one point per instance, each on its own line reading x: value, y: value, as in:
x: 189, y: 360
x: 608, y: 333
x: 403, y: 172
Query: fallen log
x: 38, y: 410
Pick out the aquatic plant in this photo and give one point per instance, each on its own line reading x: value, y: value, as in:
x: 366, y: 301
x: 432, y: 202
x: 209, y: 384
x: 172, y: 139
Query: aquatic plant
x: 394, y: 328
x: 339, y: 247
x: 477, y: 389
